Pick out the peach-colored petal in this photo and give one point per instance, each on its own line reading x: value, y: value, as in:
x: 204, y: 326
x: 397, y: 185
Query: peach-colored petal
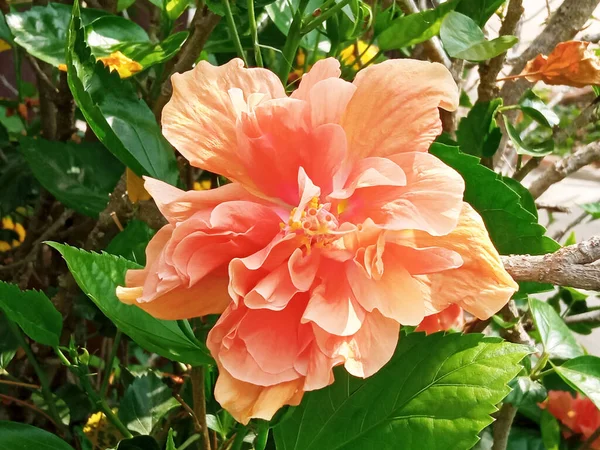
x: 321, y: 70
x: 481, y: 285
x: 430, y: 200
x: 395, y: 107
x: 277, y: 140
x: 328, y: 100
x: 200, y: 119
x: 450, y: 318
x: 367, y: 351
x: 245, y: 401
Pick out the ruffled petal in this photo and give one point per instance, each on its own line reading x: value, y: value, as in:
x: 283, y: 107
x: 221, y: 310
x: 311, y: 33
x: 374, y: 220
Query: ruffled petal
x: 450, y: 318
x: 200, y: 119
x: 321, y: 70
x: 430, y: 198
x: 481, y: 285
x: 395, y: 107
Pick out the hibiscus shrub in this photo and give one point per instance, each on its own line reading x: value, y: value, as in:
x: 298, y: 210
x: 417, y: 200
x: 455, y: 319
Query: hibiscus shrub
x: 278, y: 224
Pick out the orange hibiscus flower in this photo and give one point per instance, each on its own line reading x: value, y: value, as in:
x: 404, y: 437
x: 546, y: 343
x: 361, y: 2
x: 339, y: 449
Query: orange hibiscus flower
x: 337, y: 228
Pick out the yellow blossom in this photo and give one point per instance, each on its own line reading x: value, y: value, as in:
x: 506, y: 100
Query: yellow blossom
x: 135, y: 187
x: 125, y: 66
x: 9, y: 224
x: 202, y: 185
x: 358, y: 54
x: 4, y: 46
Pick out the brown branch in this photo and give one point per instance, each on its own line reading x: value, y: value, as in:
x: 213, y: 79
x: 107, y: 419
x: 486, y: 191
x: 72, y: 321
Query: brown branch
x: 30, y: 406
x: 42, y: 76
x: 570, y: 266
x: 553, y: 208
x: 502, y: 426
x: 203, y: 23
x: 199, y: 397
x: 565, y: 167
x: 586, y: 317
x: 488, y: 71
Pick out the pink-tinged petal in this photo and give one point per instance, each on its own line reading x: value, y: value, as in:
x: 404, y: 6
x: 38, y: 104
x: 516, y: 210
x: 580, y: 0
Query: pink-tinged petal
x: 422, y: 261
x: 328, y: 100
x: 332, y: 305
x: 395, y: 294
x: 200, y: 119
x: 303, y: 268
x: 316, y: 367
x: 274, y: 291
x: 277, y: 139
x: 177, y: 205
x: 430, y: 201
x: 395, y: 107
x: 321, y: 70
x: 245, y: 401
x: 368, y: 350
x: 451, y: 318
x: 208, y: 296
x: 481, y: 286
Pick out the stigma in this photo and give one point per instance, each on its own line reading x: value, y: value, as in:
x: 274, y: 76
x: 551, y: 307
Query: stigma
x: 316, y: 223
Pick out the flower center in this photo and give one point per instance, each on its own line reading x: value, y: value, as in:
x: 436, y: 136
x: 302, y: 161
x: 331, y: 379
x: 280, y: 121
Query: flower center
x: 316, y: 223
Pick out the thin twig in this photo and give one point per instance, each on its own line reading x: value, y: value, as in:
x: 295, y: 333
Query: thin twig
x: 52, y: 89
x: 110, y: 363
x: 553, y: 208
x: 502, y: 426
x: 580, y: 218
x: 564, y: 168
x: 199, y: 397
x: 19, y: 384
x: 586, y: 317
x: 189, y: 410
x: 30, y: 406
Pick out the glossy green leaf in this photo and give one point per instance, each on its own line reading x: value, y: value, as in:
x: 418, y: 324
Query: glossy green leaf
x: 61, y: 407
x: 124, y: 4
x: 120, y: 120
x: 408, y: 400
x: 42, y: 30
x: 542, y: 149
x: 33, y: 312
x: 132, y: 241
x: 550, y: 431
x: 98, y: 276
x: 593, y: 209
x: 148, y: 54
x: 583, y: 374
x: 5, y: 33
x: 146, y: 401
x: 8, y: 344
x: 138, y: 443
x: 170, y: 441
x: 513, y: 229
x: 281, y: 12
x: 557, y: 339
x: 20, y: 436
x: 105, y: 34
x: 525, y: 391
x: 525, y: 439
x: 462, y: 38
x: 175, y: 8
x: 413, y: 29
x: 535, y: 108
x: 81, y: 176
x: 527, y: 200
x: 478, y: 133
x: 479, y: 10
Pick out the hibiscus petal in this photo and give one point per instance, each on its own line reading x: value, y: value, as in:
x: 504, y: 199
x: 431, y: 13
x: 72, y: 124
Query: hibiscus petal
x: 395, y: 107
x: 321, y: 70
x: 200, y: 119
x: 430, y: 200
x: 328, y: 100
x: 481, y: 285
x: 450, y: 318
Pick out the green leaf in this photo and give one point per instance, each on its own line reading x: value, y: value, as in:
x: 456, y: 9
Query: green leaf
x: 479, y: 10
x: 138, y: 443
x: 5, y: 33
x: 61, y: 406
x: 132, y: 241
x: 550, y: 431
x: 170, y: 441
x: 593, y: 209
x: 408, y: 400
x: 534, y: 107
x: 81, y: 176
x: 105, y: 34
x: 557, y: 339
x: 98, y: 276
x: 120, y: 120
x: 42, y: 30
x: 175, y: 8
x: 8, y: 344
x: 124, y: 4
x: 462, y: 38
x: 478, y: 133
x: 542, y: 149
x: 33, y: 312
x: 19, y: 186
x: 513, y: 229
x: 148, y: 54
x: 413, y: 29
x: 146, y: 401
x: 525, y: 439
x: 583, y: 374
x: 525, y: 391
x: 281, y: 12
x: 19, y: 436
